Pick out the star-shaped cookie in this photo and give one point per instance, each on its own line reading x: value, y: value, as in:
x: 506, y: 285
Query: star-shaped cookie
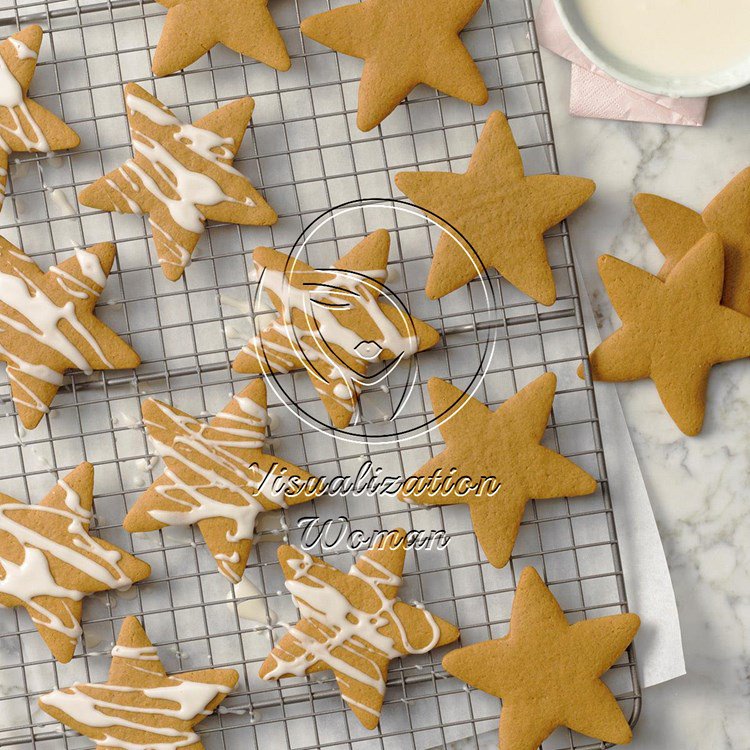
x: 25, y: 126
x: 334, y: 324
x: 403, y: 43
x: 673, y: 331
x: 217, y: 476
x: 180, y: 176
x: 504, y: 445
x: 353, y: 624
x: 193, y: 27
x: 49, y: 327
x: 676, y: 228
x: 502, y: 213
x: 49, y: 562
x: 140, y: 706
x: 547, y: 671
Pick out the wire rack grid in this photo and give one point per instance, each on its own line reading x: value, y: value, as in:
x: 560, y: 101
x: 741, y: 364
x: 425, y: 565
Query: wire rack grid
x: 304, y: 153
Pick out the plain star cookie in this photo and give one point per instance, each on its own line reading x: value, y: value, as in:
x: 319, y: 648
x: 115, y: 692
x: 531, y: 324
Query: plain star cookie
x: 403, y: 43
x: 24, y: 125
x: 140, y: 706
x: 49, y: 326
x: 673, y: 331
x: 180, y: 176
x: 501, y: 212
x: 547, y: 671
x: 49, y: 562
x: 217, y: 476
x: 332, y: 324
x: 676, y: 228
x: 193, y: 27
x: 504, y: 444
x: 353, y: 624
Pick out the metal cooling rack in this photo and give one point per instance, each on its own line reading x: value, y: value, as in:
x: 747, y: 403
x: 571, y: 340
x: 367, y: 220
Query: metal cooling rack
x: 305, y: 153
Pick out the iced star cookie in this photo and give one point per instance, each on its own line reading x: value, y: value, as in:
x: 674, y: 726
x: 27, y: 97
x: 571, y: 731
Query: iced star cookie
x: 49, y: 562
x: 193, y: 27
x: 509, y: 450
x: 25, y: 126
x: 403, y: 43
x: 180, y: 176
x: 547, y: 671
x: 140, y: 706
x: 353, y: 624
x: 673, y: 331
x: 217, y: 476
x: 500, y: 211
x: 332, y: 324
x: 49, y: 326
x: 676, y: 228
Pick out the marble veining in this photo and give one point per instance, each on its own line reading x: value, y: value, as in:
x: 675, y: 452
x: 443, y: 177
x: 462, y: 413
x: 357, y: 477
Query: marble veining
x: 698, y: 486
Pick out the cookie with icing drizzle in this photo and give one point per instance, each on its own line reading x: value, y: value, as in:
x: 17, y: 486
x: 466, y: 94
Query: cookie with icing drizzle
x: 49, y: 562
x: 333, y: 324
x: 217, y: 476
x: 48, y: 326
x: 193, y: 27
x: 140, y: 706
x: 353, y: 624
x: 180, y: 176
x: 25, y: 126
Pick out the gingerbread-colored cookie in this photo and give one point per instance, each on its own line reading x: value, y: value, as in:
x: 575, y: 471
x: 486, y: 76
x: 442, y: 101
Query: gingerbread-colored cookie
x: 504, y: 445
x: 217, y: 476
x: 25, y: 126
x: 49, y: 327
x: 547, y: 671
x: 193, y: 27
x: 180, y: 176
x: 673, y: 331
x: 49, y: 562
x: 676, y: 228
x: 140, y: 706
x: 403, y: 43
x: 338, y: 328
x: 501, y: 212
x: 353, y: 624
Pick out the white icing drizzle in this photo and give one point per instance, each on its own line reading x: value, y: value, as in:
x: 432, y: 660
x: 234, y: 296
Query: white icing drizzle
x: 43, y: 318
x: 312, y: 344
x: 253, y: 608
x: 142, y: 653
x: 224, y: 469
x: 187, y: 189
x: 23, y: 51
x: 12, y: 97
x: 33, y: 577
x: 345, y: 628
x: 91, y: 705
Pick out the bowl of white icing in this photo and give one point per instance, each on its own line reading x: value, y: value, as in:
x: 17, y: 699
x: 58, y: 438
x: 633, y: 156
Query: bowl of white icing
x: 672, y: 47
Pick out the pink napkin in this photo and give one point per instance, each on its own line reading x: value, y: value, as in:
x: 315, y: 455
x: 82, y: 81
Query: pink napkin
x: 593, y: 93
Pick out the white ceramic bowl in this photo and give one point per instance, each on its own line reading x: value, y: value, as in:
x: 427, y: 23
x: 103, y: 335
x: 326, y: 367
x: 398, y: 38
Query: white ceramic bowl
x: 675, y: 86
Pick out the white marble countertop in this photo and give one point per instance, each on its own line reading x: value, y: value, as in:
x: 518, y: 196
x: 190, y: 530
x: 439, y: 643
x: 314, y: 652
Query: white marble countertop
x: 698, y: 486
